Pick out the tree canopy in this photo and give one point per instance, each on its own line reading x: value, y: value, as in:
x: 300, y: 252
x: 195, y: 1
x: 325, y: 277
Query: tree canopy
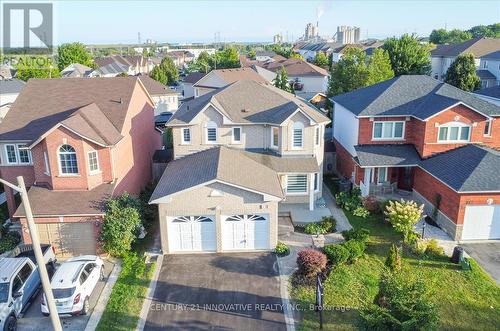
x: 165, y: 72
x: 252, y: 53
x: 73, y: 53
x: 462, y: 73
x: 281, y: 80
x: 379, y: 67
x: 225, y: 59
x: 321, y: 60
x: 408, y: 56
x: 455, y: 36
x: 39, y: 67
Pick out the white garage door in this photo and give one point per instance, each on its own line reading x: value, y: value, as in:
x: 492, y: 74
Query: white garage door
x: 245, y: 232
x: 69, y: 239
x: 481, y: 222
x: 191, y: 234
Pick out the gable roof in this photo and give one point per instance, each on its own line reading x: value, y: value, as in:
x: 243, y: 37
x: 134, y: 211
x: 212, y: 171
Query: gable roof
x: 383, y: 155
x: 471, y: 168
x: 97, y: 106
x: 492, y: 92
x: 419, y: 96
x: 217, y: 164
x: 248, y: 102
x: 11, y: 86
x: 477, y: 46
x: 295, y: 67
x: 485, y: 74
x: 492, y: 56
x: 230, y: 76
x: 76, y: 70
x: 194, y: 77
x: 154, y: 87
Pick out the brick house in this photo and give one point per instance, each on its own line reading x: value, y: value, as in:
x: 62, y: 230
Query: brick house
x: 430, y: 139
x: 77, y: 142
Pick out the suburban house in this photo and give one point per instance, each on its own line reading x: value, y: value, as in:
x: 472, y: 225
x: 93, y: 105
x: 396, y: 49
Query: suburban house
x: 76, y: 70
x: 219, y: 78
x: 426, y: 140
x: 443, y: 55
x: 264, y: 57
x: 489, y: 68
x: 76, y: 142
x: 490, y: 94
x: 165, y: 99
x: 114, y: 65
x: 188, y: 82
x: 9, y: 91
x: 180, y: 58
x: 240, y: 152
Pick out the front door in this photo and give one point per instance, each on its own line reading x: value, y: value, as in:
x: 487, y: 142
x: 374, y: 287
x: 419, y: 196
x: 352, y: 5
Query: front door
x: 405, y: 178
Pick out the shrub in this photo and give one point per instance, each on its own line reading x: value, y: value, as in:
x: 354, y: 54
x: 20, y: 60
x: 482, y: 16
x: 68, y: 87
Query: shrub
x: 349, y: 200
x: 328, y: 224
x: 149, y: 212
x: 282, y: 249
x: 433, y: 248
x: 404, y: 303
x: 403, y: 215
x: 371, y: 204
x: 356, y: 248
x: 419, y: 247
x: 310, y: 262
x: 361, y: 234
x: 361, y: 212
x: 393, y: 261
x: 9, y: 241
x: 336, y: 254
x: 313, y: 228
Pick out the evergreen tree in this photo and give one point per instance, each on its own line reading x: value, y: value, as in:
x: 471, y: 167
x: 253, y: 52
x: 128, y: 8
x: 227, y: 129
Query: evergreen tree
x: 462, y: 73
x: 281, y: 81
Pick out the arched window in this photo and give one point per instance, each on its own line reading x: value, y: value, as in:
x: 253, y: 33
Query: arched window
x: 211, y: 132
x: 67, y: 160
x: 298, y: 135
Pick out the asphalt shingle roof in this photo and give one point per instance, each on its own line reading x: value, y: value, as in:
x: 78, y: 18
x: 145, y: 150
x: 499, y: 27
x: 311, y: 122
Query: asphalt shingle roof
x: 420, y: 96
x: 193, y: 77
x: 471, y: 168
x: 485, y: 74
x: 284, y: 164
x: 387, y: 155
x: 477, y: 46
x: 493, y: 92
x: 492, y: 56
x: 8, y: 86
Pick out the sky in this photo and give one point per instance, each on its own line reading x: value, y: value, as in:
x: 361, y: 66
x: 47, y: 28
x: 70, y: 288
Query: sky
x: 197, y: 21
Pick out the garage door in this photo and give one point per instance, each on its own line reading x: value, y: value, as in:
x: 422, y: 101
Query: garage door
x: 481, y: 222
x: 69, y: 239
x: 245, y: 232
x: 191, y: 234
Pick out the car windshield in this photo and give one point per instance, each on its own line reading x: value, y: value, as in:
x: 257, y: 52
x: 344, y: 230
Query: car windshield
x: 4, y: 292
x: 60, y: 293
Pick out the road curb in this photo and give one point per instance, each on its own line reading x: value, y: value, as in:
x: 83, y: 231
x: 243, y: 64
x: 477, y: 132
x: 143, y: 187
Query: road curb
x: 285, y: 298
x: 149, y: 295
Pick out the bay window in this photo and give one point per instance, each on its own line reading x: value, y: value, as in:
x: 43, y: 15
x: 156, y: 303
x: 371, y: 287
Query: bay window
x: 68, y: 164
x: 388, y: 130
x: 296, y: 184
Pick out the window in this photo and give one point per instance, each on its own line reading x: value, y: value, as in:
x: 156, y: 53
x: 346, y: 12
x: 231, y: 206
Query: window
x: 17, y: 283
x: 25, y: 272
x: 11, y: 153
x: 485, y: 64
x: 211, y: 132
x: 67, y: 160
x: 93, y: 162
x: 83, y: 276
x: 487, y: 128
x: 388, y: 130
x: 454, y: 132
x: 236, y: 135
x: 296, y: 184
x: 17, y: 154
x: 24, y: 154
x: 186, y: 136
x: 316, y: 182
x: 46, y: 161
x: 89, y: 267
x: 382, y: 174
x: 275, y: 137
x: 484, y: 84
x: 317, y: 132
x: 298, y: 130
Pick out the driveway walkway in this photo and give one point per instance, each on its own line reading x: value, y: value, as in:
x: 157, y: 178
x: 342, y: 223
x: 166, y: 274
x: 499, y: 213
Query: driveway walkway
x: 239, y: 291
x: 487, y: 254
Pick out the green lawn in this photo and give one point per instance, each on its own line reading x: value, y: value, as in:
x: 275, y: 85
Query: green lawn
x: 467, y: 300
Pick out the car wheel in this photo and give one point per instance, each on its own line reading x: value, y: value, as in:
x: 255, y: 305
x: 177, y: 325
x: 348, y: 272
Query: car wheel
x: 86, y: 306
x: 10, y: 324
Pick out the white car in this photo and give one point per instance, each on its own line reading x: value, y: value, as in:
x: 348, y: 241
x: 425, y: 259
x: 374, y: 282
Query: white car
x: 73, y: 283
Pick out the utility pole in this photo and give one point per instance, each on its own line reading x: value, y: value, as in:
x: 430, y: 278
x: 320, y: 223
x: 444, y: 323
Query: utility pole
x: 42, y: 269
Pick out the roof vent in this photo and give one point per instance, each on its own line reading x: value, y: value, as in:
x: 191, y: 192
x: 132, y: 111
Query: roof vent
x: 244, y: 110
x: 121, y: 100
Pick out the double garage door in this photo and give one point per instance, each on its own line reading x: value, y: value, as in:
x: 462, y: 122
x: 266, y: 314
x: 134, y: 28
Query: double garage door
x: 481, y: 222
x: 68, y: 239
x: 199, y: 233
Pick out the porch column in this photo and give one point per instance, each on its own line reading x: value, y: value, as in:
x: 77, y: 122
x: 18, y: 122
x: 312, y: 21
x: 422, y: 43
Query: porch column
x: 311, y: 191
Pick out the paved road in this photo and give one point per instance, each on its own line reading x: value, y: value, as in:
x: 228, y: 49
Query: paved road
x: 217, y: 292
x: 487, y: 254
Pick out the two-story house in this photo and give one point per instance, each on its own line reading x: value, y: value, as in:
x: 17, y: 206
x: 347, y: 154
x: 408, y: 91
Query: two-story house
x: 416, y: 134
x: 77, y: 142
x: 166, y: 100
x: 489, y: 68
x: 239, y: 151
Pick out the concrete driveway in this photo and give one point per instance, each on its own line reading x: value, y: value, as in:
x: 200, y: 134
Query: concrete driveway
x: 487, y: 254
x: 237, y: 291
x: 33, y: 320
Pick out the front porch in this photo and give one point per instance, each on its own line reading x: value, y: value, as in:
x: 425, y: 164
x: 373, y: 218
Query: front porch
x: 300, y: 213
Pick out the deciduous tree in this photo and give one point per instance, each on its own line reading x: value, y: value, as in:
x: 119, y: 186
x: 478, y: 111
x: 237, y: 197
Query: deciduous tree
x: 408, y: 56
x: 73, y: 53
x: 349, y: 73
x: 321, y: 60
x: 379, y: 67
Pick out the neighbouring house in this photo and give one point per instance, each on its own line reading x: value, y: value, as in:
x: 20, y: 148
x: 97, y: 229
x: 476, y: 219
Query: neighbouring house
x: 240, y: 152
x: 114, y: 65
x: 443, y: 55
x: 180, y: 58
x: 338, y: 52
x: 219, y: 78
x: 245, y: 61
x: 309, y: 50
x: 489, y: 69
x: 166, y: 100
x: 427, y: 140
x: 264, y: 56
x: 188, y: 82
x: 77, y: 142
x: 76, y: 70
x: 490, y: 94
x: 7, y: 71
x: 9, y: 91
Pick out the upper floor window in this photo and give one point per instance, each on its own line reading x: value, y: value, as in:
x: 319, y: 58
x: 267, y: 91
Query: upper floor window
x: 17, y: 154
x: 211, y: 132
x: 487, y: 128
x: 275, y: 137
x: 388, y: 130
x: 46, y: 162
x: 485, y: 64
x: 298, y: 135
x: 67, y: 160
x: 236, y: 139
x: 186, y: 136
x: 454, y: 131
x: 93, y: 162
x: 317, y: 135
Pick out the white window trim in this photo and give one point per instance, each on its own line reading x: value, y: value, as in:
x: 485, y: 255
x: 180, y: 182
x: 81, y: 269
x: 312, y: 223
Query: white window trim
x: 61, y: 174
x: 272, y: 137
x: 236, y: 142
x: 488, y: 134
x: 378, y: 175
x: 392, y: 133
x: 301, y: 135
x: 46, y: 162
x: 93, y: 172
x: 306, y: 192
x: 211, y: 125
x: 7, y: 154
x: 17, y: 154
x: 449, y: 125
x: 184, y: 142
